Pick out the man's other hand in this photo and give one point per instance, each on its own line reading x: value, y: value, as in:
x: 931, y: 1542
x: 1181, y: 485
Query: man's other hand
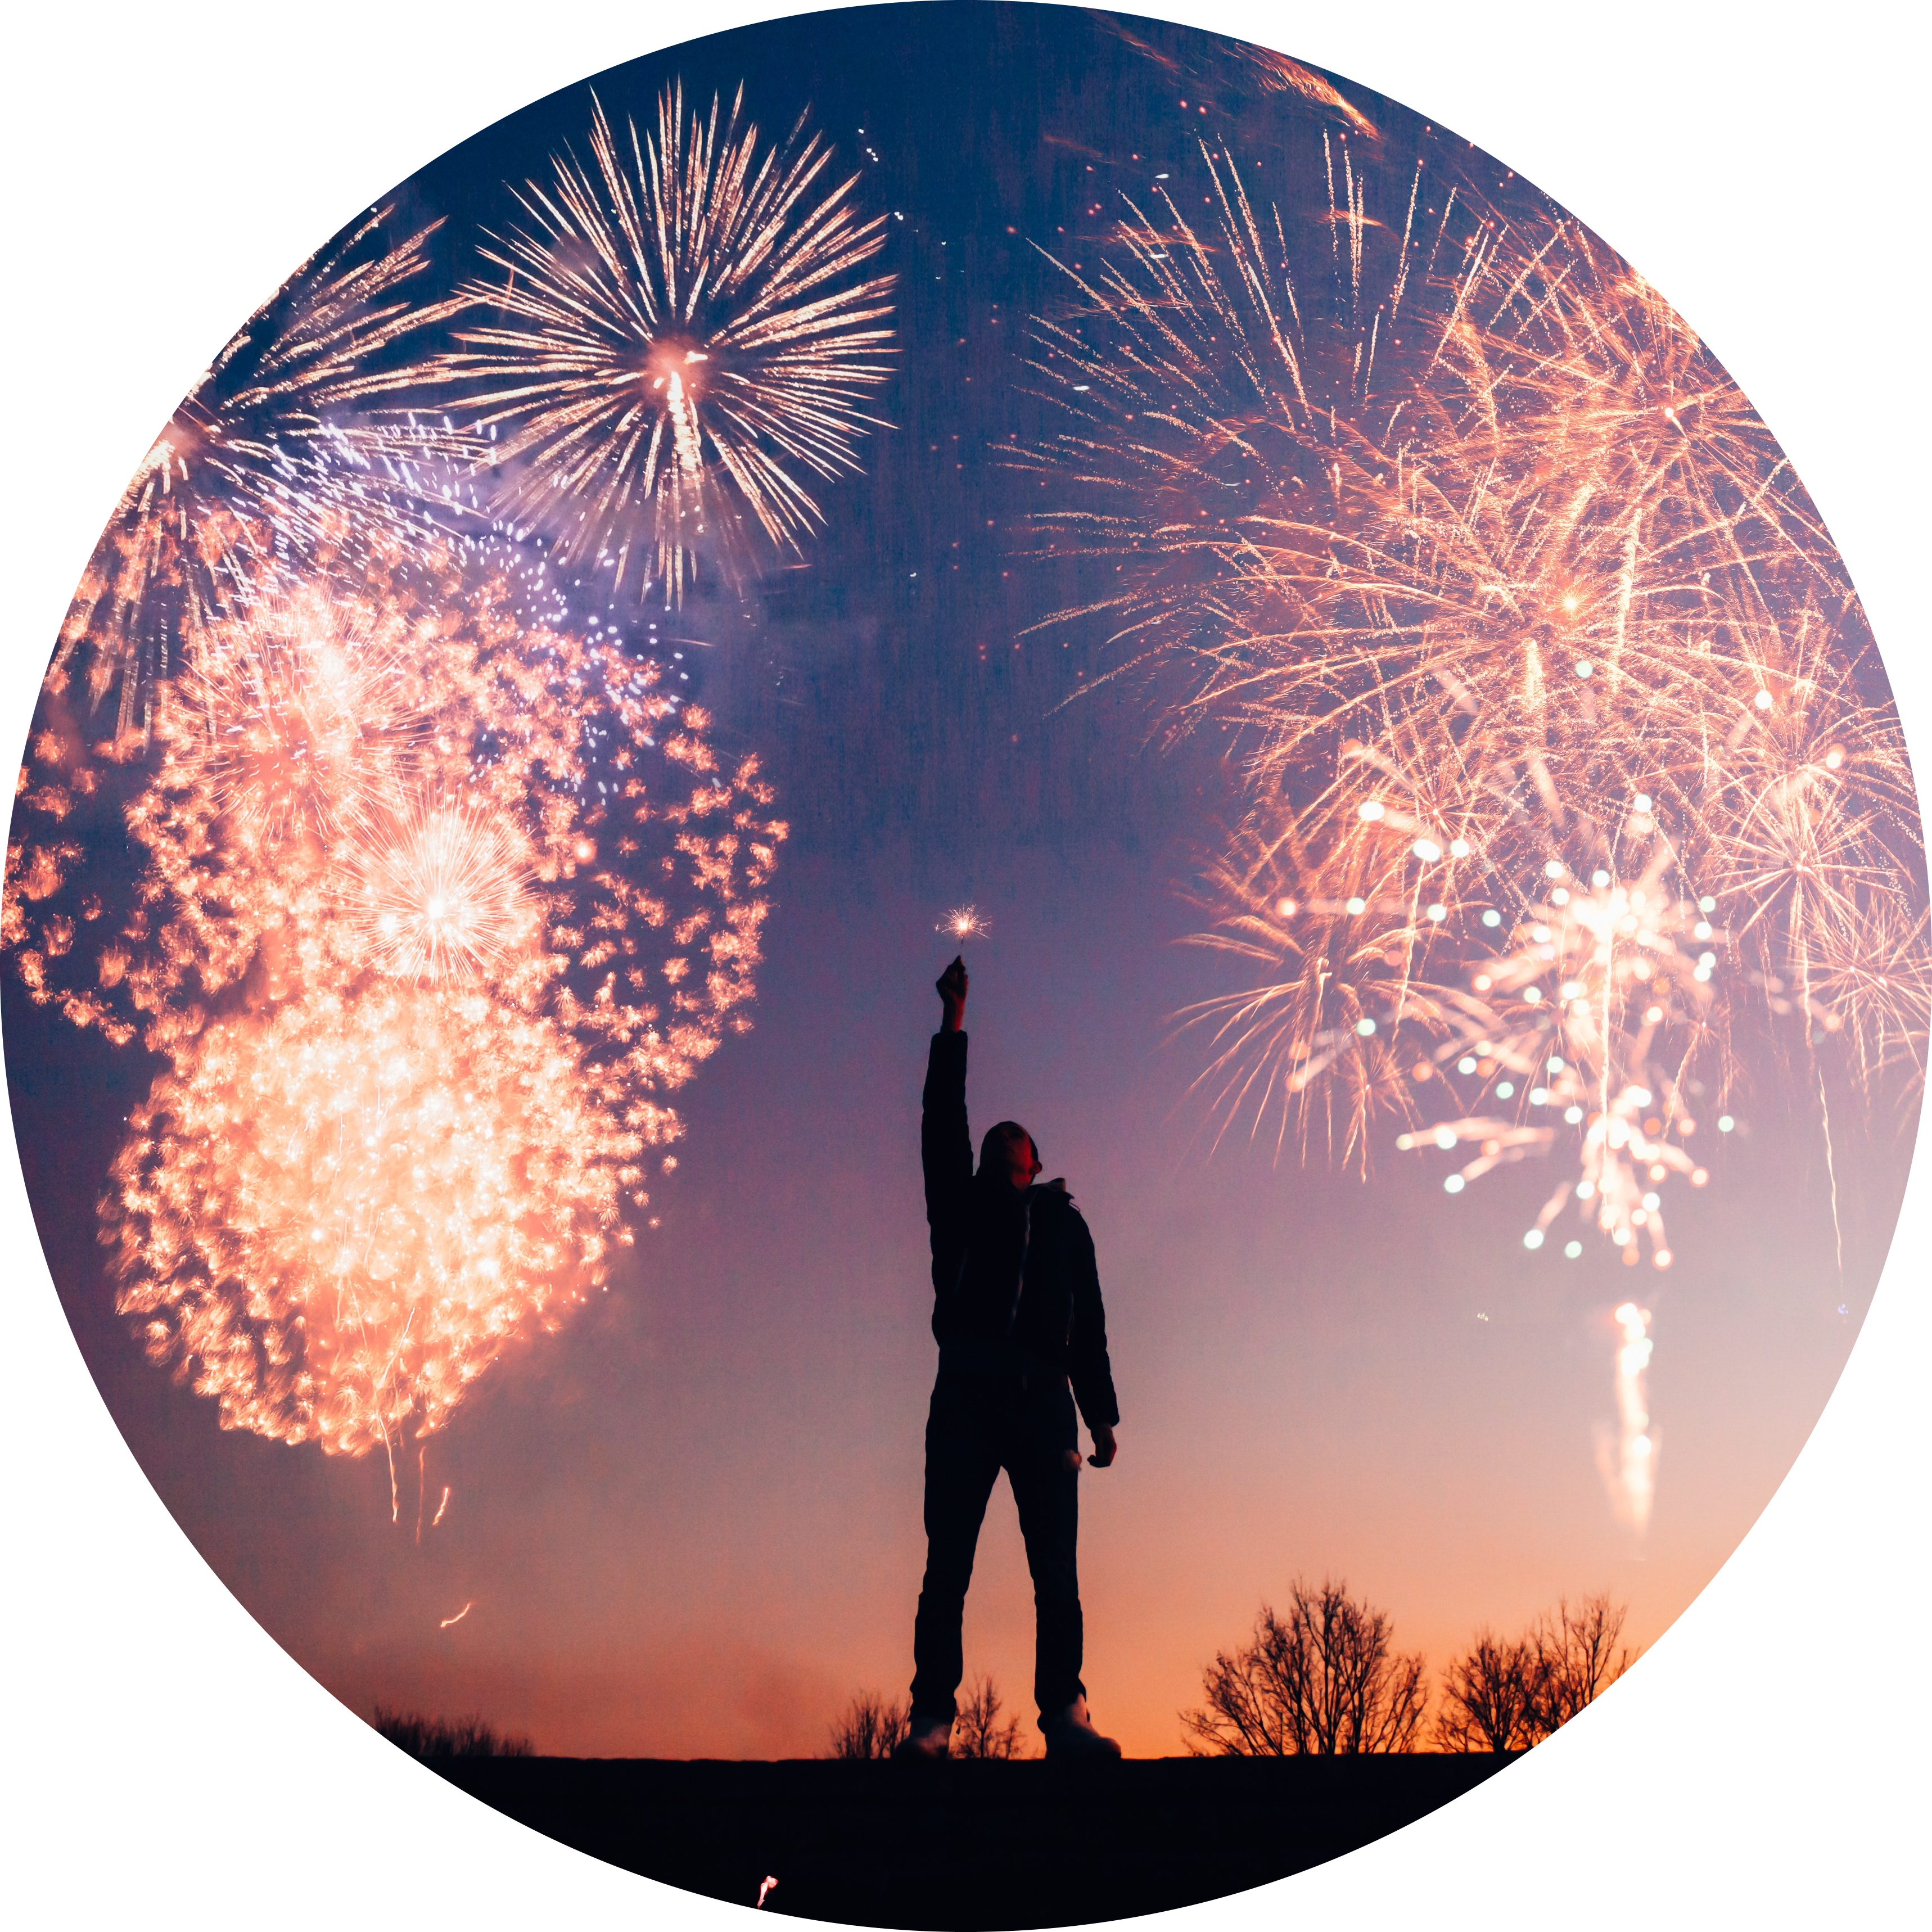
x: 952, y: 986
x: 1105, y: 1449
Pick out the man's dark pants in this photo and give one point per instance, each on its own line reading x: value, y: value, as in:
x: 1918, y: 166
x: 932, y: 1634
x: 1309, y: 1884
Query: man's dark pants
x: 984, y: 1418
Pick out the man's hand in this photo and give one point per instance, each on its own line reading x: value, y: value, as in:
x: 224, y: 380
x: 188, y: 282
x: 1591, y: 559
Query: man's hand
x: 952, y: 985
x: 1104, y: 1447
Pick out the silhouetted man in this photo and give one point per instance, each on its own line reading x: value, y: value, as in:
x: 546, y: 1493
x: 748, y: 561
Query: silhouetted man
x: 1017, y: 1312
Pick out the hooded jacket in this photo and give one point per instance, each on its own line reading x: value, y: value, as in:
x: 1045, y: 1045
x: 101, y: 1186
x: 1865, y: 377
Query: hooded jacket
x: 1011, y: 1267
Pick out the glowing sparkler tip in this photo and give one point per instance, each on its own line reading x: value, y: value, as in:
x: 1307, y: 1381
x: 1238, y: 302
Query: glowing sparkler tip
x: 964, y: 922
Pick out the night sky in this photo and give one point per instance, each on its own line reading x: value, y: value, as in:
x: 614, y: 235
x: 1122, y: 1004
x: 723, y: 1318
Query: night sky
x: 689, y: 1525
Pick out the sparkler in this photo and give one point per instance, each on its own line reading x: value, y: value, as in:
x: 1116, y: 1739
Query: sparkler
x: 964, y: 922
x: 676, y: 338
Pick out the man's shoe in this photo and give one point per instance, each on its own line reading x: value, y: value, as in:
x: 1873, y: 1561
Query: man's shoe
x: 928, y: 1738
x: 1070, y: 1734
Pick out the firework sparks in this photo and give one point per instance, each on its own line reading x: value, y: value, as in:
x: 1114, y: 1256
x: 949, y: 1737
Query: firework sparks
x: 333, y: 1222
x: 457, y: 1619
x: 964, y: 922
x: 437, y: 894
x: 677, y: 337
x: 258, y: 460
x: 435, y: 908
x: 1524, y: 624
x: 1629, y: 1465
x: 1577, y: 797
x: 764, y: 1889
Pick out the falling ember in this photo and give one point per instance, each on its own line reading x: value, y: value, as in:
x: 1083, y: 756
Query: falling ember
x: 763, y: 1889
x: 457, y: 1619
x: 964, y: 922
x: 1629, y: 1466
x: 440, y: 1507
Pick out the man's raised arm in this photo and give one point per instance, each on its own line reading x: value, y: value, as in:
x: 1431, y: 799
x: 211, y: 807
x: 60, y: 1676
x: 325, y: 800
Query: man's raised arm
x: 945, y: 1144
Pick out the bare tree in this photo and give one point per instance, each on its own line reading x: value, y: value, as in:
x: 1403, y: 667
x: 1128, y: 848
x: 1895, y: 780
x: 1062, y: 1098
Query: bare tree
x: 1500, y: 1696
x: 1491, y: 1695
x: 977, y: 1731
x: 869, y: 1726
x: 1577, y: 1657
x: 1322, y: 1680
x: 431, y: 1738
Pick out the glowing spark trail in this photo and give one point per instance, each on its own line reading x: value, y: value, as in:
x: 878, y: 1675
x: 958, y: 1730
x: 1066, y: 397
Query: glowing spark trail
x: 457, y: 1619
x: 676, y: 335
x: 1630, y: 1468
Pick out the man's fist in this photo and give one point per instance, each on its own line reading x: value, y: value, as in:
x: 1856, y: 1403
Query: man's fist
x: 1104, y: 1448
x: 952, y: 986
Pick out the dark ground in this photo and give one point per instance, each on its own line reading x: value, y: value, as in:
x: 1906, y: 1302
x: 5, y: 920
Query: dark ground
x: 968, y: 1846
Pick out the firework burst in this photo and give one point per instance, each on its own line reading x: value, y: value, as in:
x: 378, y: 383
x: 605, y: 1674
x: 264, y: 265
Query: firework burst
x: 436, y: 910
x: 677, y: 339
x: 1577, y: 798
x: 331, y: 1221
x: 437, y: 894
x: 259, y: 464
x: 1524, y: 630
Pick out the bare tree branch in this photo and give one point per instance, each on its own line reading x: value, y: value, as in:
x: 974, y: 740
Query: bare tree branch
x: 1502, y: 1696
x: 1323, y: 1680
x: 977, y: 1731
x: 1490, y: 1697
x: 869, y: 1726
x: 1577, y: 1657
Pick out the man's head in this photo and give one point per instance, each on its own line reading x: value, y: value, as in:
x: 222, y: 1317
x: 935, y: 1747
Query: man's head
x: 1007, y: 1152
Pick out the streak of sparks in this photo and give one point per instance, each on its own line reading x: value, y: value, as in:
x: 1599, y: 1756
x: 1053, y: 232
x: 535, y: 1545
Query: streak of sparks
x: 457, y: 1619
x: 676, y: 336
x: 1629, y: 1465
